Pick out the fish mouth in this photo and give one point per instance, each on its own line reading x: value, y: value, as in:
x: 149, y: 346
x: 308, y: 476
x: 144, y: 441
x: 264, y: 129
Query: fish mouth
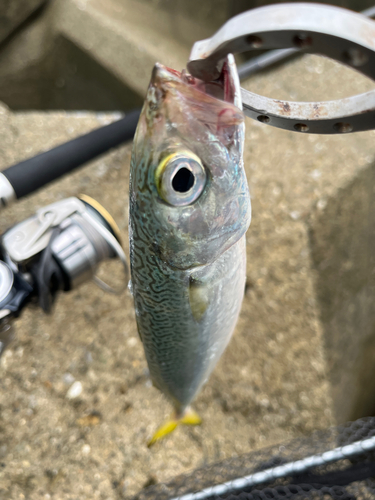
x: 226, y: 88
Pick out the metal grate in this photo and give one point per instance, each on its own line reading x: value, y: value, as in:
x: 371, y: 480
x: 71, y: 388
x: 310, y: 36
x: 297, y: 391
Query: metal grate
x: 338, y: 463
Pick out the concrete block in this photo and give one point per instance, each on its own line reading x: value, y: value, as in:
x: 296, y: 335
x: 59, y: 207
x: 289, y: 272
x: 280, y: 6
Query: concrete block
x: 301, y: 356
x: 342, y: 238
x: 13, y: 13
x: 324, y: 186
x: 95, y: 55
x: 98, y: 54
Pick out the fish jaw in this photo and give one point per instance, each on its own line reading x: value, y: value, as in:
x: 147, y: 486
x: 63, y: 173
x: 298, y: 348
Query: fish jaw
x: 180, y: 114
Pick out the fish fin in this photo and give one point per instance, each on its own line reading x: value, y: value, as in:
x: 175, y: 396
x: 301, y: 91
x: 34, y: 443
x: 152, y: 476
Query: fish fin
x: 198, y: 299
x: 163, y: 431
x: 190, y: 417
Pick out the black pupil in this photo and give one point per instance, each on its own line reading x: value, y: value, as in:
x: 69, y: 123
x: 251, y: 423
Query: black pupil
x: 183, y: 180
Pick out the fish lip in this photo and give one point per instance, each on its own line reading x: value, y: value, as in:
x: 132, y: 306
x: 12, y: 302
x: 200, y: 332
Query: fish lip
x: 232, y: 87
x: 226, y: 88
x: 228, y: 82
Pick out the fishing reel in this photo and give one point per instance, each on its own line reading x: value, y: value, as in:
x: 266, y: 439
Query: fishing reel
x: 57, y: 249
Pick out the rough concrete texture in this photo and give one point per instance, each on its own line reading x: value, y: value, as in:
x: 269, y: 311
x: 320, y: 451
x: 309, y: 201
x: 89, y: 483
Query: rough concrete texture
x: 300, y: 358
x: 91, y: 54
x: 13, y: 13
x: 191, y: 20
x: 98, y: 54
x: 327, y: 188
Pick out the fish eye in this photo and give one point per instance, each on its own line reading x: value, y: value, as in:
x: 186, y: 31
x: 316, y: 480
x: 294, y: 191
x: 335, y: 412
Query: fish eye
x: 180, y: 178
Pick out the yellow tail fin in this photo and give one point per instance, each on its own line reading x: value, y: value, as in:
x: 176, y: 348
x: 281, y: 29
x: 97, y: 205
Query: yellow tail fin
x: 190, y: 417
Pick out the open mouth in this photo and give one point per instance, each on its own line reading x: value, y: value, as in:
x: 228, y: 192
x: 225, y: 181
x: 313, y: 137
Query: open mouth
x: 225, y: 88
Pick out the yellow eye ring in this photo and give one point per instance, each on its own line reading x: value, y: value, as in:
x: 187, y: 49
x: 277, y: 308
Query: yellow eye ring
x: 180, y: 178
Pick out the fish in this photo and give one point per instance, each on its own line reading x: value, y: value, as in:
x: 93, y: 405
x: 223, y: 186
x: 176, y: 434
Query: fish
x: 189, y: 210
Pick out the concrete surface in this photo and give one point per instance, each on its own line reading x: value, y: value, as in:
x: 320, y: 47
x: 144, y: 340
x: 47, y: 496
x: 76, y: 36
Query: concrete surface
x: 302, y: 354
x: 300, y: 358
x: 330, y: 179
x: 91, y: 54
x: 13, y: 13
x: 98, y: 54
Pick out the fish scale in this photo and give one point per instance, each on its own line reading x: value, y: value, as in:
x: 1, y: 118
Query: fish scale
x: 168, y: 329
x: 187, y: 245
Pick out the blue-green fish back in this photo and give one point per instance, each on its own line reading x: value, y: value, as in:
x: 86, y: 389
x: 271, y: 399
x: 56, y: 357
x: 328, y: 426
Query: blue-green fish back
x: 189, y: 211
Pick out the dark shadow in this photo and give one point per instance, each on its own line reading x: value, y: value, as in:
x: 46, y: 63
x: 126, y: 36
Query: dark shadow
x: 70, y: 79
x: 342, y: 240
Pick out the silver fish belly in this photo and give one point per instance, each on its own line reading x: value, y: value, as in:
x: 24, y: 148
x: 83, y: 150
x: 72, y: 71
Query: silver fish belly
x: 189, y: 211
x: 186, y: 318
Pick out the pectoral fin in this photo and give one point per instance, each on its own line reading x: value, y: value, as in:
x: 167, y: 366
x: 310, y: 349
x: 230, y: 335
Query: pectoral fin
x: 198, y: 299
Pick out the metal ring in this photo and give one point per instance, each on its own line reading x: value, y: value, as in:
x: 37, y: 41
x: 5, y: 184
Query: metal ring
x: 352, y: 114
x: 343, y: 35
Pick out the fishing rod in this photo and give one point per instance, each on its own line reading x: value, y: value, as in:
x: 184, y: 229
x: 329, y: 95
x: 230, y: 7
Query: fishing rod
x: 19, y: 269
x: 50, y: 251
x: 32, y: 174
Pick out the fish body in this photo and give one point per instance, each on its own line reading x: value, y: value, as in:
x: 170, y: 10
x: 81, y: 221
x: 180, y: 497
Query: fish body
x: 189, y: 211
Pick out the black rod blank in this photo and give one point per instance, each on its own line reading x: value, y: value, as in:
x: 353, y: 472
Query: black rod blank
x: 33, y: 173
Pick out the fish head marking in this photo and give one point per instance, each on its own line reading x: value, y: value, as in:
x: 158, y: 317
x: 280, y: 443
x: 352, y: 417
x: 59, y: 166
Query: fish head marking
x: 184, y: 129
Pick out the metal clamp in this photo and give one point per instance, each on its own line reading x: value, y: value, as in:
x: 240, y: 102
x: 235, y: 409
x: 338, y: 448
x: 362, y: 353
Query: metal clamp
x: 340, y: 34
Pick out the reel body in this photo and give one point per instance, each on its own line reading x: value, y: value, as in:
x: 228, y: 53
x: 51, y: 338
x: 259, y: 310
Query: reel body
x: 57, y: 249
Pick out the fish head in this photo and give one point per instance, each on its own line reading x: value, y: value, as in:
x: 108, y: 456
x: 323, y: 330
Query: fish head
x: 188, y: 187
